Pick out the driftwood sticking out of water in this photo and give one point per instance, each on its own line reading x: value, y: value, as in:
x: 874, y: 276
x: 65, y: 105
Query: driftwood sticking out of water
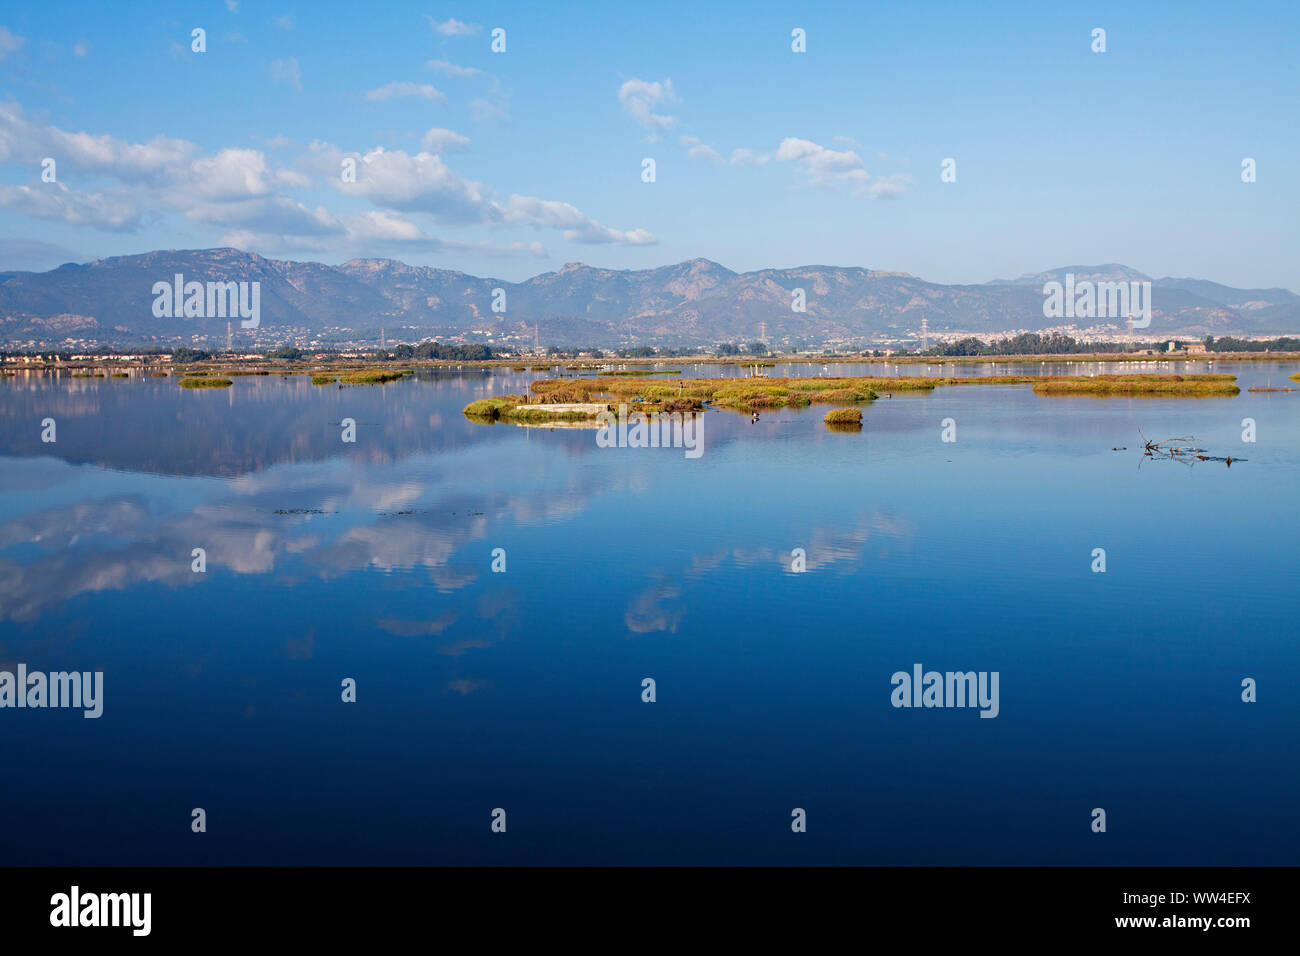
x: 1182, y: 450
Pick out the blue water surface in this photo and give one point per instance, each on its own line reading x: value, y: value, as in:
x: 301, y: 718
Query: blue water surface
x: 522, y: 690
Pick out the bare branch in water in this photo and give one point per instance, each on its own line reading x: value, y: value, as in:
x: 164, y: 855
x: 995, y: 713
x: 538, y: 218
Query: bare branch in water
x: 1183, y: 449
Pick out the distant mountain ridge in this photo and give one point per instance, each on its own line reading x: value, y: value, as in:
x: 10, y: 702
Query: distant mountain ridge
x: 688, y: 303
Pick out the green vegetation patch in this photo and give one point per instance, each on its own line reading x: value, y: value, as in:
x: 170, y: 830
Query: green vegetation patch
x: 324, y: 379
x: 844, y: 416
x: 1193, y: 386
x: 205, y: 383
x: 373, y: 376
x: 512, y: 408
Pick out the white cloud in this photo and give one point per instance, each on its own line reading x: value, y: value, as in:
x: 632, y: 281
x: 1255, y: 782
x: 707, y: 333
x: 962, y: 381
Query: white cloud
x: 267, y: 242
x: 80, y: 49
x: 739, y: 157
x: 453, y: 27
x: 424, y: 183
x: 9, y: 42
x: 573, y: 224
x: 822, y: 164
x: 641, y: 97
x: 383, y: 227
x: 747, y: 157
x: 232, y: 175
x: 273, y: 214
x: 165, y: 174
x: 891, y: 187
x: 23, y: 141
x: 232, y: 6
x: 57, y: 201
x: 289, y: 177
x: 243, y: 191
x: 285, y: 21
x: 398, y: 89
x: 287, y: 71
x: 698, y: 150
x: 487, y: 111
x: 826, y: 167
x: 443, y: 141
x: 451, y: 69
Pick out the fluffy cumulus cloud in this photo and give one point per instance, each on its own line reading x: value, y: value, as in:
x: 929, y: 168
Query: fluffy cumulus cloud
x: 56, y: 201
x: 250, y: 197
x: 231, y: 175
x: 640, y: 99
x: 575, y: 226
x: 822, y: 165
x: 379, y: 228
x: 419, y: 183
x: 25, y: 141
x: 274, y: 214
x: 424, y: 183
x: 828, y: 167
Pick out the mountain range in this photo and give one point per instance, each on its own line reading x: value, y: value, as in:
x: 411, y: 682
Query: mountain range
x: 697, y: 302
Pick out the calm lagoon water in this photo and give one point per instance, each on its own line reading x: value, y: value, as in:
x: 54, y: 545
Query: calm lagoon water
x: 522, y: 690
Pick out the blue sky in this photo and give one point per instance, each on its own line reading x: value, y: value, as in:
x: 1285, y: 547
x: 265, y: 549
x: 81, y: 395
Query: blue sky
x: 510, y: 164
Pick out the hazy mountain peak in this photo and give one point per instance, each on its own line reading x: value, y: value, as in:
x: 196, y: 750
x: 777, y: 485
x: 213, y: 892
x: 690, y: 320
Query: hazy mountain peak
x: 693, y: 302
